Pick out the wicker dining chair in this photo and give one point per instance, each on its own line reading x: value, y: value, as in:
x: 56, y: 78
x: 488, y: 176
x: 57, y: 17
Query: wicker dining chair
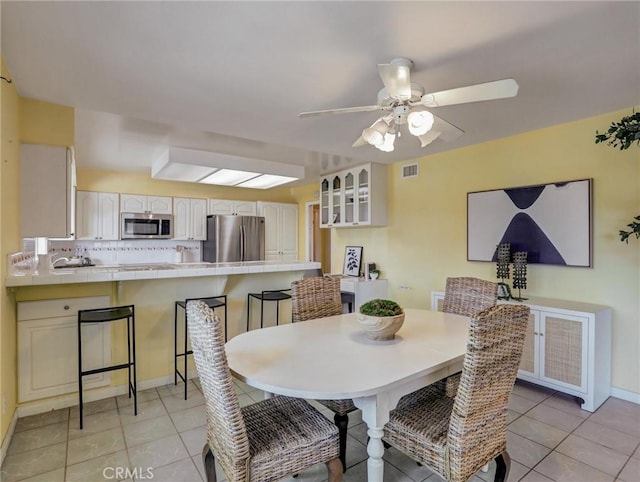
x: 467, y: 296
x: 262, y: 442
x: 455, y: 437
x: 320, y: 297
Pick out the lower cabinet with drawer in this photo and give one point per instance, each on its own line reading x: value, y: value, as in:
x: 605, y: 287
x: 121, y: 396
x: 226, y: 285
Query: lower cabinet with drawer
x: 567, y: 347
x: 48, y: 347
x: 363, y: 290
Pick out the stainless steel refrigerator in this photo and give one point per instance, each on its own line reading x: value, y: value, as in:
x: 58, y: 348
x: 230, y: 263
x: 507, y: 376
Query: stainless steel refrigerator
x: 233, y: 238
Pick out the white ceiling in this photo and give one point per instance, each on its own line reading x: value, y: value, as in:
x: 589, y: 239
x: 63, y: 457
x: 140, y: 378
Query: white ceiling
x: 231, y: 77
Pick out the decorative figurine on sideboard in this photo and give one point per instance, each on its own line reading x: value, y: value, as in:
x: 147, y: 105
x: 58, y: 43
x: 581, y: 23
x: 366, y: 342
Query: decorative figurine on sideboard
x: 519, y: 273
x: 503, y: 256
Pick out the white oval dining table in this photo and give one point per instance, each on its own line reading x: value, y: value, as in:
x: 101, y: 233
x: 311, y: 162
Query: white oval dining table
x: 331, y: 358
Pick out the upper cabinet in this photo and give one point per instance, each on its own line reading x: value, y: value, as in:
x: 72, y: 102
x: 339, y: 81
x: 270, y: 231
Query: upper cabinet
x: 189, y: 219
x: 139, y: 203
x: 98, y: 215
x: 354, y: 197
x: 230, y: 207
x: 47, y: 191
x: 280, y: 230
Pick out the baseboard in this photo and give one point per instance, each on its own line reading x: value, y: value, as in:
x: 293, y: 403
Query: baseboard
x: 71, y: 399
x: 7, y: 439
x: 625, y: 395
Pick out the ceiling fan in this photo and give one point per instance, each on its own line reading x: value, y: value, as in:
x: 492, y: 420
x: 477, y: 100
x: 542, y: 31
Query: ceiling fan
x: 404, y: 103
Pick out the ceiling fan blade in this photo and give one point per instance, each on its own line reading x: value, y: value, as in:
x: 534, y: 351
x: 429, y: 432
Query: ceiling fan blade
x: 429, y: 137
x: 396, y: 77
x: 359, y: 142
x: 346, y: 110
x: 448, y: 132
x: 498, y: 89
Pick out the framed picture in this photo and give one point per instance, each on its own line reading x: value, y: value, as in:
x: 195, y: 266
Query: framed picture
x: 352, y: 260
x: 551, y: 222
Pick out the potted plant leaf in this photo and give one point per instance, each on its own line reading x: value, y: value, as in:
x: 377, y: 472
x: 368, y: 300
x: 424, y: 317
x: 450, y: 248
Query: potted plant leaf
x: 622, y: 135
x: 380, y: 319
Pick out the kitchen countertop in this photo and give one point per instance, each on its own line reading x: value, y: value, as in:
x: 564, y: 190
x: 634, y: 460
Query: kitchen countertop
x: 101, y: 273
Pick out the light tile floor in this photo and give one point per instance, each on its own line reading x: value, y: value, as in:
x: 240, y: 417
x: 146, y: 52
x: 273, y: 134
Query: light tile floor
x: 550, y: 439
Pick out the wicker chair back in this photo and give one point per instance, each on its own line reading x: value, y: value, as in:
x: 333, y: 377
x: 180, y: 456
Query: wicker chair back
x: 469, y: 296
x: 226, y: 430
x: 477, y: 429
x: 317, y: 297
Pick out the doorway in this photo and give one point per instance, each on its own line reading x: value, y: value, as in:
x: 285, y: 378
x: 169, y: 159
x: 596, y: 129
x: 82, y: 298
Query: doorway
x: 318, y: 240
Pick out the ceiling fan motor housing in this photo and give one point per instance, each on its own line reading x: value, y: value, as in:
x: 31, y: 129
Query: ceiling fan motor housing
x: 400, y: 114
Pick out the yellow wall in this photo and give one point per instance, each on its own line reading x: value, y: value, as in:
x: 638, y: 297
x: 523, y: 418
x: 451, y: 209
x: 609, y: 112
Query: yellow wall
x: 425, y: 240
x: 142, y: 183
x: 9, y: 242
x: 45, y: 123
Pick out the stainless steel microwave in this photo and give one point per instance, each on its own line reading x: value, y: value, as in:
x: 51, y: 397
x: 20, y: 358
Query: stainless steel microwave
x: 146, y: 226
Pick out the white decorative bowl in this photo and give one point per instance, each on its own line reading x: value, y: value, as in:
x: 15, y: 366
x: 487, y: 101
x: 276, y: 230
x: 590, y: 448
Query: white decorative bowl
x: 380, y: 328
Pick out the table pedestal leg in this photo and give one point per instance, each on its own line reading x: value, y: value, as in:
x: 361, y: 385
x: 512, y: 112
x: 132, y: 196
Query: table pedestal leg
x: 375, y: 450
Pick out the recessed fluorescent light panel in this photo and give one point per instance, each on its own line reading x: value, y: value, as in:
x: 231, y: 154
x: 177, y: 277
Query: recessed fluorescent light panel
x: 228, y: 177
x: 265, y: 181
x: 190, y: 165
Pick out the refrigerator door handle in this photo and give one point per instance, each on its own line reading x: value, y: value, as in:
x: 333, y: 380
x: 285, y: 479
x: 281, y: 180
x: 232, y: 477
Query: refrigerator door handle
x: 242, y: 243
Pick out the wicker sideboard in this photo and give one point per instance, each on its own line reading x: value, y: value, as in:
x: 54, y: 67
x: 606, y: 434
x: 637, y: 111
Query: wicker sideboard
x: 567, y: 348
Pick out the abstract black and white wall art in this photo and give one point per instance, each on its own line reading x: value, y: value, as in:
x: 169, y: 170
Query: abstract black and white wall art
x: 551, y: 222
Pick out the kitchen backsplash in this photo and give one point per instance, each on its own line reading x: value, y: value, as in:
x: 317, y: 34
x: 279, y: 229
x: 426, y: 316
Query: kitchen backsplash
x: 130, y: 252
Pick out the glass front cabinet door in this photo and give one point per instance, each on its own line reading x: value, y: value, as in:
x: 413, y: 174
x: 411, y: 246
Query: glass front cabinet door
x: 354, y: 197
x: 331, y: 200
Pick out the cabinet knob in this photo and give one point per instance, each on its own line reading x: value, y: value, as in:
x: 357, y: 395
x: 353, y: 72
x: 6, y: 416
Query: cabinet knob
x: 66, y: 307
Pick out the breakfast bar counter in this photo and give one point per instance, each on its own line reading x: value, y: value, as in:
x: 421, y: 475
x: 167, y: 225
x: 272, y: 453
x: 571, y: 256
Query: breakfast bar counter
x: 124, y: 272
x: 47, y: 304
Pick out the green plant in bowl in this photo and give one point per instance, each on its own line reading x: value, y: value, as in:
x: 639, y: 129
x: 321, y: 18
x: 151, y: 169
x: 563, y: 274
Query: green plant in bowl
x: 379, y: 307
x: 380, y: 319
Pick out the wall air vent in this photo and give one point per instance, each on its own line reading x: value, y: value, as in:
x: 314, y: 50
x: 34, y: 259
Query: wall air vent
x: 410, y: 170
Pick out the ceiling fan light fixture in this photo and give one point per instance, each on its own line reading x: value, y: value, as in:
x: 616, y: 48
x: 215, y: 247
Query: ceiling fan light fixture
x: 419, y: 122
x: 375, y: 134
x: 387, y: 145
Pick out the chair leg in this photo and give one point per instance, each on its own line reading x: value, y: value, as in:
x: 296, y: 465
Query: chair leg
x: 342, y: 422
x: 334, y: 470
x: 503, y: 464
x: 209, y: 464
x: 248, y: 310
x: 226, y: 336
x: 80, y: 407
x: 186, y: 333
x: 262, y: 312
x: 175, y: 343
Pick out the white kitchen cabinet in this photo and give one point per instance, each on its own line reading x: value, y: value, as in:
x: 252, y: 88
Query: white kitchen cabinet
x: 281, y: 230
x: 139, y: 203
x: 47, y: 191
x: 48, y: 347
x: 97, y: 215
x: 230, y: 207
x: 189, y: 219
x: 354, y: 197
x: 567, y: 348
